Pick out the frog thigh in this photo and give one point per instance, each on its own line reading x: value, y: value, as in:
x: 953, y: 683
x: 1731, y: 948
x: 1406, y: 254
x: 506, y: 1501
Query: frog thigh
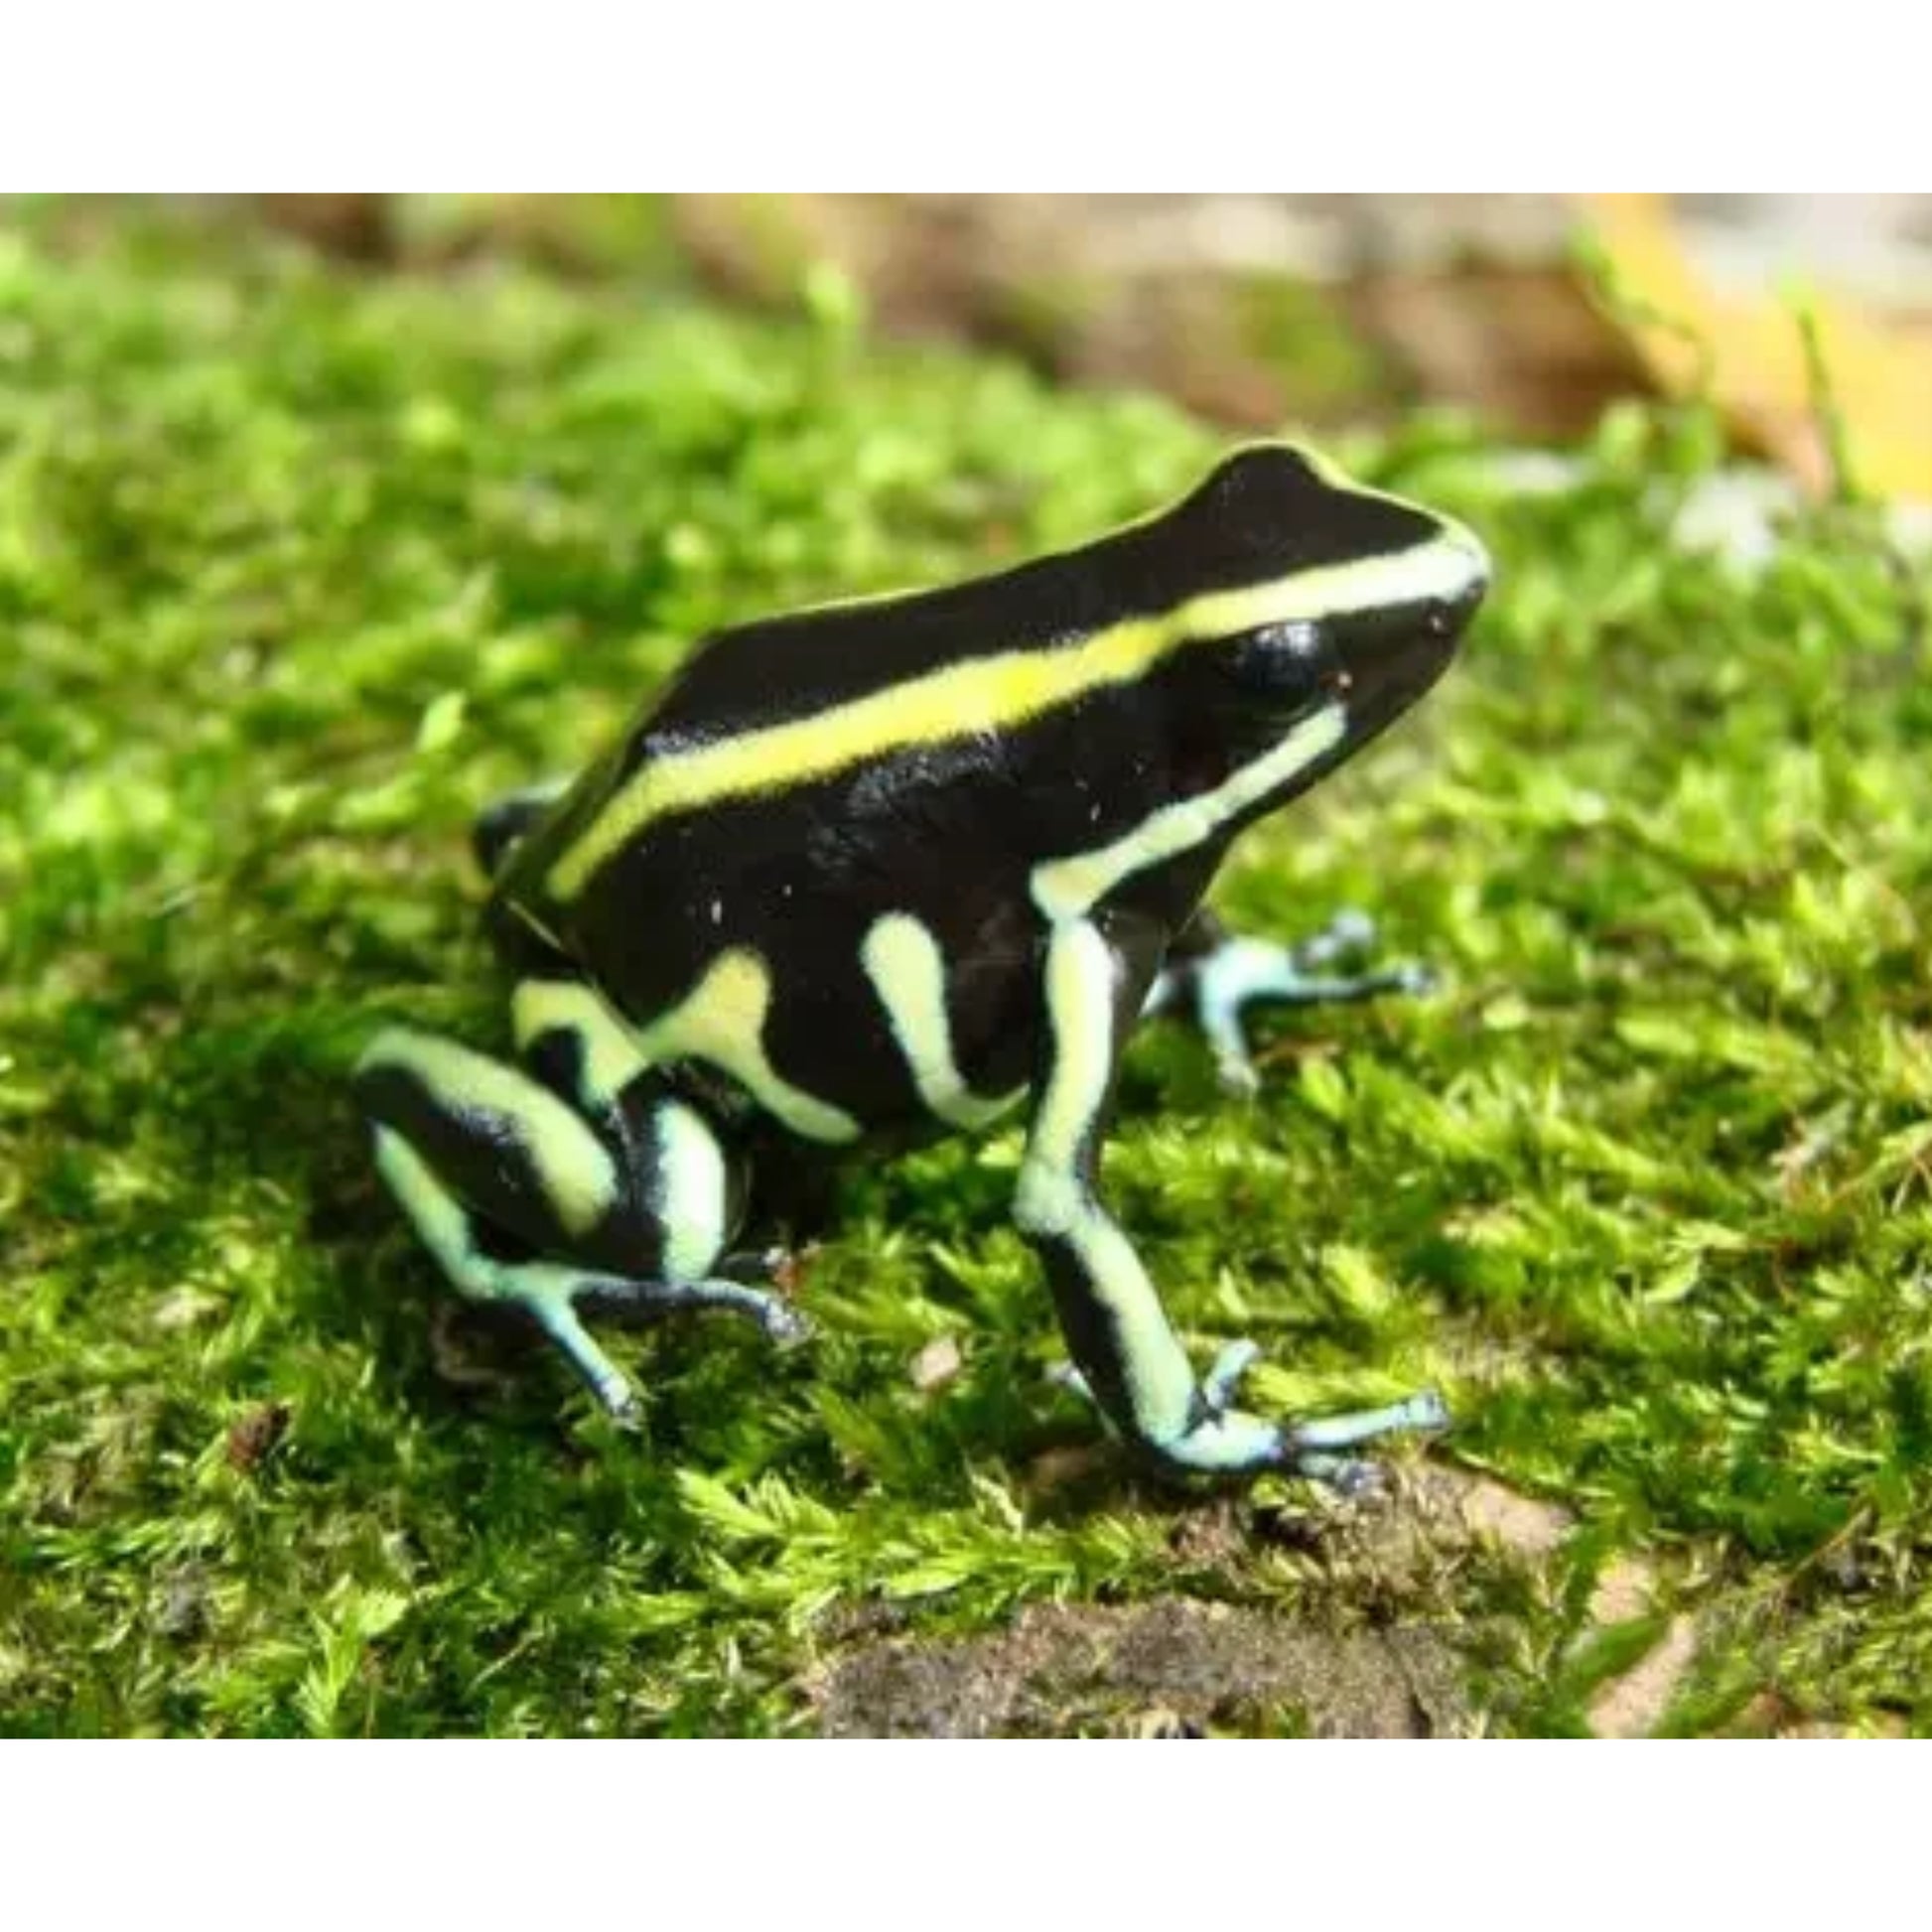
x: 493, y: 1136
x: 575, y: 1042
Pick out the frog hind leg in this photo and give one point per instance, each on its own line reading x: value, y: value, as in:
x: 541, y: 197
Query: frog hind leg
x: 1130, y: 1363
x: 525, y: 1200
x: 502, y: 822
x: 1214, y: 976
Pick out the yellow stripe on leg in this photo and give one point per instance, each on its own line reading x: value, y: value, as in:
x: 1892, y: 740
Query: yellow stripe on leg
x: 695, y: 1184
x: 1053, y: 1202
x: 611, y: 1059
x: 574, y: 1169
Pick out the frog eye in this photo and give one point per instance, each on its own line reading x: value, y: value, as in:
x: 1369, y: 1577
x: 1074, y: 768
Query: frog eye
x: 1283, y: 660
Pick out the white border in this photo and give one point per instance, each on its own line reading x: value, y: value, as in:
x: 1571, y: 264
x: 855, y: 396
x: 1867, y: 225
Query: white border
x: 1340, y: 1837
x: 1482, y: 94
x: 731, y: 96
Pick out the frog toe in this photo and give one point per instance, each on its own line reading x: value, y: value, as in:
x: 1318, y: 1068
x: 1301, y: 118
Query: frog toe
x: 1221, y: 1439
x: 786, y: 1326
x: 1235, y: 1068
x: 1354, y: 1479
x: 1315, y: 1449
x: 1231, y: 1365
x: 1063, y: 1375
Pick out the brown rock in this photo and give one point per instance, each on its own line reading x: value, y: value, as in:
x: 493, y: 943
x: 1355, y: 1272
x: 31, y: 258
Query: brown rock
x: 936, y: 1364
x: 1173, y: 1668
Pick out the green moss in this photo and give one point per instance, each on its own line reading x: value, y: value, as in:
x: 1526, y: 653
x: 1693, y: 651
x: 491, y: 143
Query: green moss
x: 298, y: 569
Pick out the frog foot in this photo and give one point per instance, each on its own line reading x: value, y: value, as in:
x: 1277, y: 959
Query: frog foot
x: 560, y: 1317
x: 1216, y: 984
x: 1311, y: 1448
x: 1220, y: 1438
x: 646, y: 1301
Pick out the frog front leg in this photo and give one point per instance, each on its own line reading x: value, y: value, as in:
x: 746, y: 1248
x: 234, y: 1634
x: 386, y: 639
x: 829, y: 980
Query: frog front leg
x: 1129, y: 1358
x: 590, y: 1189
x: 1214, y: 976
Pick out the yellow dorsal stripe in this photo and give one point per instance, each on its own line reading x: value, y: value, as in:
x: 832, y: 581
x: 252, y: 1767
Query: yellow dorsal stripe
x: 992, y: 694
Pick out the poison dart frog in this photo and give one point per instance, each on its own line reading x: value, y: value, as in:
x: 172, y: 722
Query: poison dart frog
x: 884, y: 868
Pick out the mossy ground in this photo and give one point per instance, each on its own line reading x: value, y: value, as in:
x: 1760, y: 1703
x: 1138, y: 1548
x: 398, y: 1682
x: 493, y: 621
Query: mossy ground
x: 297, y: 569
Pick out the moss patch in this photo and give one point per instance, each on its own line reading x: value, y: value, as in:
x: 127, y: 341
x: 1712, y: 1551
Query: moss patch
x: 298, y: 569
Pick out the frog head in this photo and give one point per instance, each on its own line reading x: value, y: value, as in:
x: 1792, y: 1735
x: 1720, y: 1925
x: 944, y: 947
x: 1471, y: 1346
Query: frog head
x: 1318, y: 589
x: 1320, y: 612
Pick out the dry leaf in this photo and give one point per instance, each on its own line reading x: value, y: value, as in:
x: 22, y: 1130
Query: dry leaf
x: 1760, y: 373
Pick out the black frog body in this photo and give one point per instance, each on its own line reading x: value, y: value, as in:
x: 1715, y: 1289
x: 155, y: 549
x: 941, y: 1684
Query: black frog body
x: 896, y: 866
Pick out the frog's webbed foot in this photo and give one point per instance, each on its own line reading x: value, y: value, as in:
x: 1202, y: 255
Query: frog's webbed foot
x: 1214, y: 976
x: 1219, y: 1439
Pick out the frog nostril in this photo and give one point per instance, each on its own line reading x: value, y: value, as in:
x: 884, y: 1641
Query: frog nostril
x: 1447, y: 614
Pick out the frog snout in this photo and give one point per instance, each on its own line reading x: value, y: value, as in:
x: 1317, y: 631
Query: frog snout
x: 1446, y: 613
x: 1392, y: 657
x: 1468, y: 583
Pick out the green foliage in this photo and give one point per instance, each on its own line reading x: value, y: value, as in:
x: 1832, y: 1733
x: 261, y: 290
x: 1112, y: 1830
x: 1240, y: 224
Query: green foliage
x: 297, y: 570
